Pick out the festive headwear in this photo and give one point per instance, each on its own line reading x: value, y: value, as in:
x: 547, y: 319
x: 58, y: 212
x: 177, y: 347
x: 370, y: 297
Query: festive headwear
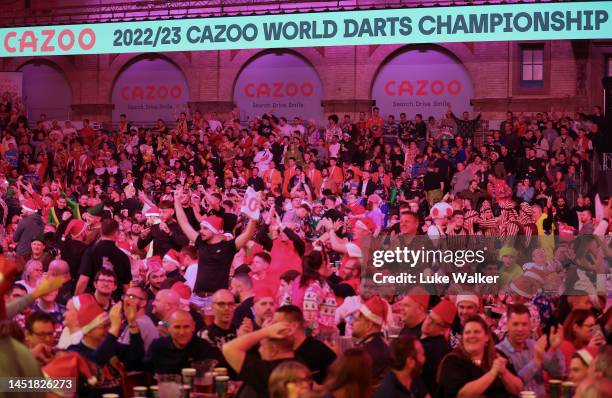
x: 29, y: 206
x: 525, y: 286
x: 90, y: 317
x: 69, y: 364
x: 507, y: 251
x: 365, y: 223
x: 587, y: 354
x: 152, y: 212
x: 506, y: 204
x: 375, y: 309
x: 153, y: 264
x: 419, y: 296
x: 96, y: 210
x: 357, y: 210
x: 446, y: 311
x: 74, y: 228
x: 82, y: 300
x: 441, y: 210
x: 173, y: 257
x: 472, y: 298
x: 213, y: 223
x: 261, y: 292
x: 183, y: 291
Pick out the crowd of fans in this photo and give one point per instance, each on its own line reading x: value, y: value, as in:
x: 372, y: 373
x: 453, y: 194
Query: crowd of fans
x: 128, y: 251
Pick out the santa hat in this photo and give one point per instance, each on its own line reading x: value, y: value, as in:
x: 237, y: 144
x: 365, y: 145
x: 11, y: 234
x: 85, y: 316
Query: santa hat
x: 357, y: 210
x: 90, y: 317
x: 525, y: 286
x: 213, y: 223
x: 152, y: 212
x: 69, y: 364
x: 419, y: 296
x: 82, y: 300
x: 364, y: 223
x: 29, y: 206
x: 471, y: 298
x: 375, y: 309
x: 173, y: 257
x: 587, y: 354
x: 441, y: 210
x: 153, y: 264
x: 446, y: 311
x: 125, y: 247
x: 183, y: 291
x: 261, y: 292
x: 74, y: 228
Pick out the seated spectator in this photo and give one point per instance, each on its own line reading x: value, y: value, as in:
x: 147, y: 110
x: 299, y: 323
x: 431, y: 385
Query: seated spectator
x: 350, y: 375
x: 40, y: 336
x: 169, y: 354
x: 403, y: 380
x: 290, y: 379
x: 220, y: 331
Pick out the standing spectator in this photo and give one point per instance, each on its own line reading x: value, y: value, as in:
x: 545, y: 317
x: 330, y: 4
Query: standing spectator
x: 30, y: 226
x: 104, y: 254
x: 466, y: 127
x: 165, y: 235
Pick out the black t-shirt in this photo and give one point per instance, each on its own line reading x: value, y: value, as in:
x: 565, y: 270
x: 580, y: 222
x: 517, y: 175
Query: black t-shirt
x: 164, y: 357
x: 214, y: 261
x: 105, y: 254
x: 459, y: 371
x: 317, y: 356
x: 72, y: 252
x: 435, y: 349
x: 243, y: 311
x: 217, y: 336
x: 255, y: 373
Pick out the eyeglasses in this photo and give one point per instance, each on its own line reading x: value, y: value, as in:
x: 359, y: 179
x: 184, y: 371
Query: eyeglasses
x: 44, y: 334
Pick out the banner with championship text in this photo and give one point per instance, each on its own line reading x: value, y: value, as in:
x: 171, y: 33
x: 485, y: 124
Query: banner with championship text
x: 509, y: 22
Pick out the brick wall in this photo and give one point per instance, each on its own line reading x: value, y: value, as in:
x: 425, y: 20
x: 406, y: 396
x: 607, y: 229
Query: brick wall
x: 346, y: 73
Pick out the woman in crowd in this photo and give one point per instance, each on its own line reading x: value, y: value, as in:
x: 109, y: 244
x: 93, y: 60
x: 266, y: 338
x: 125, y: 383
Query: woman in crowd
x: 475, y: 368
x: 290, y: 380
x: 350, y: 376
x: 578, y: 333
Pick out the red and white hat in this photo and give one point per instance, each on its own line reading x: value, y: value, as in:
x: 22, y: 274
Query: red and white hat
x: 214, y: 223
x: 525, y: 286
x: 375, y: 309
x: 446, y: 311
x: 173, y: 257
x: 441, y: 210
x: 470, y: 298
x: 587, y: 354
x: 82, y: 300
x: 69, y: 364
x: 183, y: 291
x: 152, y: 212
x: 29, y: 206
x: 75, y: 228
x: 90, y: 317
x: 364, y: 223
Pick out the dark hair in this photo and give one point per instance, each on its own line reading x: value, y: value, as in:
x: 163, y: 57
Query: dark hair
x: 166, y: 204
x: 109, y: 227
x: 190, y: 251
x: 292, y: 313
x: 289, y: 275
x: 352, y: 373
x: 16, y: 285
x: 577, y: 317
x: 105, y: 272
x: 37, y: 316
x: 245, y: 279
x: 400, y: 349
x: 518, y: 309
x: 311, y: 264
x: 264, y: 256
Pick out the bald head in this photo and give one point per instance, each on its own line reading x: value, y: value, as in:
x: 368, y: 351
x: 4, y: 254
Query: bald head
x: 181, y: 327
x: 223, y: 295
x: 223, y: 308
x: 58, y: 268
x: 166, y: 302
